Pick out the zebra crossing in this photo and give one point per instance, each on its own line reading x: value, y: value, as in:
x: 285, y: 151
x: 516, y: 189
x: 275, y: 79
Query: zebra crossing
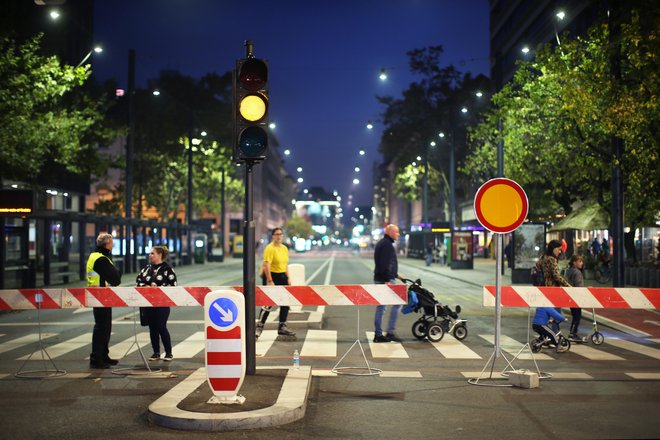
x: 327, y: 344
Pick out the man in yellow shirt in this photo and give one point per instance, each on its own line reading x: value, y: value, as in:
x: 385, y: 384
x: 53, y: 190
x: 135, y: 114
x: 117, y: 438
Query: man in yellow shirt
x: 275, y: 272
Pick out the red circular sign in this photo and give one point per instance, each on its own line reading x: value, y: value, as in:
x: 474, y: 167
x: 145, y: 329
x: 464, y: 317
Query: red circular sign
x: 501, y: 205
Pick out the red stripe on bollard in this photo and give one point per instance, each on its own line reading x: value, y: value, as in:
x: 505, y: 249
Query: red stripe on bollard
x: 223, y: 358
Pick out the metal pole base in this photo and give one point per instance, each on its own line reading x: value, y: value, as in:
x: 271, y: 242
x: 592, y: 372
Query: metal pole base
x: 146, y: 370
x: 45, y: 373
x: 356, y: 371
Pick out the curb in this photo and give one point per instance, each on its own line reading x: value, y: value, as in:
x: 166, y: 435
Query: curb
x: 289, y: 407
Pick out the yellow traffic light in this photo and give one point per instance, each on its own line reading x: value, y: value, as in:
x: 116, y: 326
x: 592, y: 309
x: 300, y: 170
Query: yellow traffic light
x: 253, y: 107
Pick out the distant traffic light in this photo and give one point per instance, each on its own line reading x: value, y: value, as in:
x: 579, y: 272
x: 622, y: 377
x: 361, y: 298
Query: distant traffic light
x: 251, y: 109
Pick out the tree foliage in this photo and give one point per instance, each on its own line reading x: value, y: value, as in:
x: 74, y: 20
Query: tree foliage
x: 299, y: 227
x: 560, y: 112
x: 46, y: 116
x: 426, y: 108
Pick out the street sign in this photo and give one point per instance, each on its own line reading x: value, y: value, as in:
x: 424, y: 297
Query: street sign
x: 501, y: 205
x: 224, y: 318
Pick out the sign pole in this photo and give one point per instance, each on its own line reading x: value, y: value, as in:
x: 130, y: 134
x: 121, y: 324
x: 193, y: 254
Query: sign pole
x: 498, y: 293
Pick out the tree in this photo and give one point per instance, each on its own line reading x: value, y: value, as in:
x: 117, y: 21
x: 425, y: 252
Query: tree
x: 299, y: 227
x: 45, y: 114
x: 426, y: 108
x: 558, y: 115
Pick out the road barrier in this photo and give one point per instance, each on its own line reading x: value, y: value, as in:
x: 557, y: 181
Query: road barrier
x: 180, y: 296
x: 584, y: 297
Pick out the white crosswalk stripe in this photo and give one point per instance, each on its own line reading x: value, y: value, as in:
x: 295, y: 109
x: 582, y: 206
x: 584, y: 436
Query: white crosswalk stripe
x: 451, y: 348
x: 24, y: 340
x: 514, y: 347
x: 190, y: 347
x: 320, y: 343
x: 386, y: 349
x: 64, y: 347
x: 634, y: 346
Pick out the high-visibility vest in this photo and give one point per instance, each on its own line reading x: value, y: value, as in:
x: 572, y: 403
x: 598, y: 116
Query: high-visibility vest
x: 93, y: 278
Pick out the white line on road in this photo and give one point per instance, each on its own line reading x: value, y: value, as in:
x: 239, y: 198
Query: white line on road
x: 451, y: 348
x: 633, y: 346
x: 386, y: 349
x: 320, y: 343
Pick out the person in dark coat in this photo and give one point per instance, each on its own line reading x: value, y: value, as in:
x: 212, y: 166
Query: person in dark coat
x: 101, y: 272
x: 386, y: 271
x: 575, y: 278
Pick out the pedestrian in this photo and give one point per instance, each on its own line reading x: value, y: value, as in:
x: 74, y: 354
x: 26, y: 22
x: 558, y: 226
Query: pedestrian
x: 275, y: 272
x: 575, y: 278
x: 101, y: 272
x: 386, y: 271
x: 157, y: 273
x: 442, y: 254
x: 550, y: 267
x: 429, y: 253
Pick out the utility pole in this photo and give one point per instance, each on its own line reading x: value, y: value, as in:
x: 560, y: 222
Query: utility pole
x: 130, y: 146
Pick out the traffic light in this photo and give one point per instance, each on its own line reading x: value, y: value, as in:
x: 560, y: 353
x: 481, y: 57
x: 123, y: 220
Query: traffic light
x: 251, y: 110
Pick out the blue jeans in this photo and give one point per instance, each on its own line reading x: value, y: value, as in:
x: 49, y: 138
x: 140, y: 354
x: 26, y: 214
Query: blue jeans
x: 391, y: 324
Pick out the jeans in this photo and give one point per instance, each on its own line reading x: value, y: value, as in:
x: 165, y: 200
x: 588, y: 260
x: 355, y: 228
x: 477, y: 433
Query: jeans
x: 158, y: 317
x: 378, y: 318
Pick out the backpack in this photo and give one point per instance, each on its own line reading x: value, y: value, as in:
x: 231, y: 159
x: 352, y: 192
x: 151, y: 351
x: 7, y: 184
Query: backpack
x: 537, y: 277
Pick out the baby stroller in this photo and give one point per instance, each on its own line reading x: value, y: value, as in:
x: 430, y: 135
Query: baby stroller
x: 436, y: 319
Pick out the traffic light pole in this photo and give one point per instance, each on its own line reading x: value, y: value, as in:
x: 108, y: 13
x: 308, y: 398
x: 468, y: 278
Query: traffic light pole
x: 249, y: 250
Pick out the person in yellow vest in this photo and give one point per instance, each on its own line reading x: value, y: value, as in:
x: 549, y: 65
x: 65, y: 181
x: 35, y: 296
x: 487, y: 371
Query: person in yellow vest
x: 102, y: 272
x: 275, y: 272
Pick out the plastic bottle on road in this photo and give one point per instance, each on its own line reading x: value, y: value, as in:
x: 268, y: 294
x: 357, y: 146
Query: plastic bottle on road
x: 296, y: 359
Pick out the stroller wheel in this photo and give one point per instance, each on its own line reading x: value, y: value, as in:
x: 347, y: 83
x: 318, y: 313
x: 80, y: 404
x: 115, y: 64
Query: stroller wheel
x: 460, y: 332
x: 419, y: 329
x: 597, y: 338
x: 435, y: 332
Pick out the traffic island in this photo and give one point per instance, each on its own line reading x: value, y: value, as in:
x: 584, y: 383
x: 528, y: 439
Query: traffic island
x: 273, y: 396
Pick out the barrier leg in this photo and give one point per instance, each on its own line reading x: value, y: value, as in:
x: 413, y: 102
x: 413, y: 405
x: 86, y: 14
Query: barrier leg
x: 356, y: 371
x: 136, y: 370
x: 45, y: 373
x: 542, y: 375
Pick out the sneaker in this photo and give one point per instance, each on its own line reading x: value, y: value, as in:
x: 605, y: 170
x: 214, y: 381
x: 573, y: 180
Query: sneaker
x: 394, y: 338
x: 155, y: 357
x: 259, y: 330
x: 283, y: 331
x: 168, y: 357
x: 381, y: 338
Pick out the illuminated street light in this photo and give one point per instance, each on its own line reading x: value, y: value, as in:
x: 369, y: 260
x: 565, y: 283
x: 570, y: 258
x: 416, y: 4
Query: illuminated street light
x: 370, y: 126
x: 299, y: 169
x: 383, y: 75
x: 432, y: 143
x: 419, y: 157
x: 156, y: 92
x: 203, y: 133
x: 464, y: 110
x: 441, y: 135
x: 300, y: 180
x: 357, y: 169
x: 525, y: 50
x: 287, y: 152
x: 479, y: 94
x: 356, y: 181
x: 272, y: 126
x: 561, y: 15
x: 362, y: 153
x: 54, y: 14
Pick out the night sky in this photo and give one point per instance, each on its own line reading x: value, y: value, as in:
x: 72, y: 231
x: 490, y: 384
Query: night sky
x: 324, y: 56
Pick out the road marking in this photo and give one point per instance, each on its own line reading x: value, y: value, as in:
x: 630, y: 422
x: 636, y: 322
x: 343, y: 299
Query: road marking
x: 633, y: 346
x: 569, y: 375
x: 318, y: 372
x: 644, y: 376
x: 64, y: 347
x: 594, y: 354
x: 513, y: 347
x: 386, y: 349
x: 451, y: 348
x: 189, y: 347
x: 82, y: 310
x: 265, y: 341
x: 24, y: 340
x: 127, y: 346
x: 322, y: 343
x: 497, y: 375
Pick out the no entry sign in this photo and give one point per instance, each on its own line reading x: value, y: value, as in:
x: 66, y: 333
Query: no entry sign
x: 224, y: 316
x: 501, y: 205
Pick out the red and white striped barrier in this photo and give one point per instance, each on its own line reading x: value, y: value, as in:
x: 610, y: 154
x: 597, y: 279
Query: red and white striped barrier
x: 585, y: 297
x: 179, y: 296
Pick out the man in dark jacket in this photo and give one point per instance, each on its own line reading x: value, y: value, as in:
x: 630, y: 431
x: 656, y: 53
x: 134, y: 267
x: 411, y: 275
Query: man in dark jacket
x: 101, y: 272
x: 386, y: 271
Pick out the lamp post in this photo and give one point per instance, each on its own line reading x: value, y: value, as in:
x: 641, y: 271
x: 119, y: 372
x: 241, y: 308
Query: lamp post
x: 130, y: 147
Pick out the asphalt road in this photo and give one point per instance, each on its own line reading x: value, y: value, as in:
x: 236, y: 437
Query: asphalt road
x: 610, y: 391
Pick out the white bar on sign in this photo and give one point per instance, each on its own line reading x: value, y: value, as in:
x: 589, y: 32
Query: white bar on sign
x: 222, y: 371
x: 224, y: 345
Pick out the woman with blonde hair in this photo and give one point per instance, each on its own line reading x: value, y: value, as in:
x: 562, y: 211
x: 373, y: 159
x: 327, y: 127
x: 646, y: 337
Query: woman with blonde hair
x: 157, y: 273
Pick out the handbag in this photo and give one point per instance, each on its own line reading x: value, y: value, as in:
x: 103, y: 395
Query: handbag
x: 144, y: 318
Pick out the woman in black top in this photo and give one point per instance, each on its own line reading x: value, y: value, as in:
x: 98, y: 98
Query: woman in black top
x: 157, y: 273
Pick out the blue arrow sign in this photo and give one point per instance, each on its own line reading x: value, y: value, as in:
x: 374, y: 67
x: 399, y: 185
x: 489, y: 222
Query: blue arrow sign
x: 223, y: 312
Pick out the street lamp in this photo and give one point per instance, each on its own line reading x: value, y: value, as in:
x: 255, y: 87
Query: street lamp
x: 97, y: 49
